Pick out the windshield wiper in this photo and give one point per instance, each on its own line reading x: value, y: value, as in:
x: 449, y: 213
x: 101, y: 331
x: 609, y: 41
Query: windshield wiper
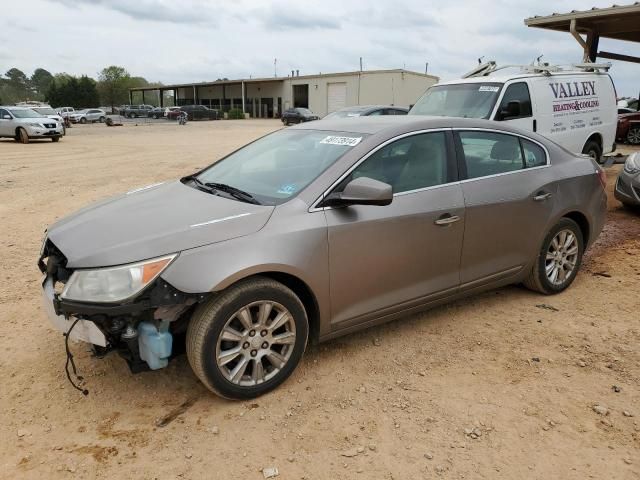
x: 233, y: 191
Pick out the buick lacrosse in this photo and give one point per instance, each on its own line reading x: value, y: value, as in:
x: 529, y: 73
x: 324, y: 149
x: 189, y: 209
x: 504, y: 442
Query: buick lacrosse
x: 313, y: 232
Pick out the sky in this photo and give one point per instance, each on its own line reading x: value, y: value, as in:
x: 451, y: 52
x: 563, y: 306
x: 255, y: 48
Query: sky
x: 175, y: 41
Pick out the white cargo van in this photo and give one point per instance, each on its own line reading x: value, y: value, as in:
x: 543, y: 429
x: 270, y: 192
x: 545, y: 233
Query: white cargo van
x: 576, y: 108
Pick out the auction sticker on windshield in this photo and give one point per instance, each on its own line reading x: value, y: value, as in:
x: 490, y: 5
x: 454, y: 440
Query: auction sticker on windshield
x: 488, y: 88
x: 345, y: 141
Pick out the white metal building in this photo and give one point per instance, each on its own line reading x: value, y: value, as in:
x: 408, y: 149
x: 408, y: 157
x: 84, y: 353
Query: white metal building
x: 269, y: 97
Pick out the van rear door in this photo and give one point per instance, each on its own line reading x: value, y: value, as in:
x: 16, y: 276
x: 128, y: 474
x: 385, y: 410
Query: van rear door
x: 515, y: 106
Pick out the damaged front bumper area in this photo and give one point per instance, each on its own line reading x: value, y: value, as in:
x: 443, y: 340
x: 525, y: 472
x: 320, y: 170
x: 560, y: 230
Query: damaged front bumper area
x: 141, y: 329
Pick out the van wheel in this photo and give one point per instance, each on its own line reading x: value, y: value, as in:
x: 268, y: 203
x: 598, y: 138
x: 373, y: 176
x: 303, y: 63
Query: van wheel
x: 633, y: 136
x: 592, y: 148
x: 247, y: 340
x: 22, y: 136
x: 558, y: 260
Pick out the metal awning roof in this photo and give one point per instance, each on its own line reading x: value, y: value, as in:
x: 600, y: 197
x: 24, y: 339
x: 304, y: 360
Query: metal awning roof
x: 620, y: 22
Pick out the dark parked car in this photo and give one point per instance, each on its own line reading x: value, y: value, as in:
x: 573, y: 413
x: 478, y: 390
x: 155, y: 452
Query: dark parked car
x: 198, y: 112
x: 157, y: 112
x: 134, y: 111
x: 298, y: 115
x: 629, y: 128
x: 368, y: 110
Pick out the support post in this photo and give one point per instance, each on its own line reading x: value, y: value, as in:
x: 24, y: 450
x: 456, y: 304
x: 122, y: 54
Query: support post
x: 160, y: 98
x: 243, y: 97
x: 130, y: 97
x: 143, y: 102
x: 593, y: 39
x: 195, y: 100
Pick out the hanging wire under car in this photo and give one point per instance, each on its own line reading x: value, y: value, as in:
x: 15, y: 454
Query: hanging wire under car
x: 73, y: 364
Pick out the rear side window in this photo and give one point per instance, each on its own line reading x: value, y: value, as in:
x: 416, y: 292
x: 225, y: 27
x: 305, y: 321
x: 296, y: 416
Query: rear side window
x: 490, y: 153
x: 534, y: 155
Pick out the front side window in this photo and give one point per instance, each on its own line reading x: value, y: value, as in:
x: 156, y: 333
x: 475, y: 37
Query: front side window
x: 488, y: 153
x: 276, y: 167
x: 3, y: 113
x: 411, y: 163
x: 516, y: 92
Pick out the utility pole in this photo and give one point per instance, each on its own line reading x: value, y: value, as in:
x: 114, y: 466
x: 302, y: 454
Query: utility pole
x: 426, y: 68
x: 275, y: 67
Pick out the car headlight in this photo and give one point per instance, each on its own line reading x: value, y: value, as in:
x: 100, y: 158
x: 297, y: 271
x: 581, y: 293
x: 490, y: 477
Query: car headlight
x: 113, y: 284
x: 33, y: 124
x: 632, y: 165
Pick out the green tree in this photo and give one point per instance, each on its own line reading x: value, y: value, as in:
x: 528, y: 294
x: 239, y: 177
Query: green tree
x: 41, y: 81
x: 87, y: 93
x: 15, y: 87
x: 113, y: 85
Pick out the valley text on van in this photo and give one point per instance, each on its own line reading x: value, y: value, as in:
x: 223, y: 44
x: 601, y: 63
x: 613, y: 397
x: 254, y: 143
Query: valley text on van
x: 575, y: 108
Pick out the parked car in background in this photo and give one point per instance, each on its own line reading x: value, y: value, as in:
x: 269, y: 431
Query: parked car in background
x: 157, y: 112
x: 628, y: 130
x: 24, y: 124
x: 66, y: 112
x: 173, y: 113
x: 199, y: 112
x: 631, y: 103
x: 135, y: 111
x: 627, y: 189
x: 50, y: 113
x: 367, y: 110
x: 317, y: 231
x: 623, y: 110
x: 90, y: 115
x: 298, y: 115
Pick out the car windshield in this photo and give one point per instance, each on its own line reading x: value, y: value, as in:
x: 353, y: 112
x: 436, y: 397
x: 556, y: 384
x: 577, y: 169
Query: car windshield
x: 45, y: 111
x: 276, y: 167
x: 467, y: 100
x: 25, y: 113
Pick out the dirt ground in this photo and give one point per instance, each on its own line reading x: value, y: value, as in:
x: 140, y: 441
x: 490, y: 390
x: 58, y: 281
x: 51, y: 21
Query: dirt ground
x: 502, y: 385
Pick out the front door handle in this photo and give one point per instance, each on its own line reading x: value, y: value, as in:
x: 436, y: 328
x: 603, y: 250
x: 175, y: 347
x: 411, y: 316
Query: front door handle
x: 447, y: 219
x: 541, y: 197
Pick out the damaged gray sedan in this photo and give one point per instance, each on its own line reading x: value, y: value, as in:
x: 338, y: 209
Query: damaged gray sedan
x: 314, y: 232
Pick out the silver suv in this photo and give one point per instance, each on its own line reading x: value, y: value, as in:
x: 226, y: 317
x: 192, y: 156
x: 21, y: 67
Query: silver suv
x: 23, y: 124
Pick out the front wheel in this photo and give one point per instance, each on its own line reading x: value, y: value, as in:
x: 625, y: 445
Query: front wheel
x: 55, y: 139
x: 247, y: 340
x: 559, y: 259
x: 101, y: 119
x: 83, y: 120
x: 22, y: 136
x: 633, y: 136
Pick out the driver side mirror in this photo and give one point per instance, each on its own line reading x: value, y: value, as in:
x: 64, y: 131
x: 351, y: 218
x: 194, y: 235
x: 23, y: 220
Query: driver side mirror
x: 361, y: 191
x: 511, y: 110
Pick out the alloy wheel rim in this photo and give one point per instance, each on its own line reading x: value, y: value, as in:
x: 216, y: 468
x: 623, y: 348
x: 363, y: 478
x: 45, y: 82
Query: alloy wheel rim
x: 562, y: 257
x: 634, y: 136
x: 255, y: 343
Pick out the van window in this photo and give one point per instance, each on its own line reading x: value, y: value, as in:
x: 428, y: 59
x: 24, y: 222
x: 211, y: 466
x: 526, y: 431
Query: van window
x: 534, y: 155
x: 516, y: 92
x: 488, y: 153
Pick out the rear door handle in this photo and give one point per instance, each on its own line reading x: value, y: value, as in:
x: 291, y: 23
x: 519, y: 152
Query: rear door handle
x: 447, y: 219
x: 541, y: 197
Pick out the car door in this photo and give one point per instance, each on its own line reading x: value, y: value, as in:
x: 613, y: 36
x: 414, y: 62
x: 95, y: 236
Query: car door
x: 509, y: 194
x: 7, y: 128
x: 384, y: 260
x: 516, y: 93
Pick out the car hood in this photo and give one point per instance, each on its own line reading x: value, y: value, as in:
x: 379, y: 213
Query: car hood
x: 630, y: 116
x: 152, y: 221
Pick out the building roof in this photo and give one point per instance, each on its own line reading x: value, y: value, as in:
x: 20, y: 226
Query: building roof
x: 620, y: 22
x: 280, y: 79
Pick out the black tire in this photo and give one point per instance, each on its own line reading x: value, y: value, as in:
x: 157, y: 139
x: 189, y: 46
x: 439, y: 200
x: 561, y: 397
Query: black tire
x: 133, y: 115
x: 593, y: 149
x: 155, y: 116
x: 83, y: 120
x: 22, y: 136
x: 633, y: 136
x: 537, y: 279
x: 55, y: 139
x: 101, y: 119
x: 211, y: 317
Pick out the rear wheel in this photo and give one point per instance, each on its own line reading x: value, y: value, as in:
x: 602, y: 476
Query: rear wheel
x: 83, y: 120
x: 22, y: 136
x: 593, y: 149
x: 633, y: 135
x: 101, y: 119
x: 247, y: 340
x: 559, y: 259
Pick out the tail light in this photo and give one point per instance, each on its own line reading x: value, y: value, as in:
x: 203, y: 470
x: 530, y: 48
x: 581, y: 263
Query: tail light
x: 602, y: 176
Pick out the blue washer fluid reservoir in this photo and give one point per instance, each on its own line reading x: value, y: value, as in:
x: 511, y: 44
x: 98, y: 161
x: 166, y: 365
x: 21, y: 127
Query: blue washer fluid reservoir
x: 155, y: 344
